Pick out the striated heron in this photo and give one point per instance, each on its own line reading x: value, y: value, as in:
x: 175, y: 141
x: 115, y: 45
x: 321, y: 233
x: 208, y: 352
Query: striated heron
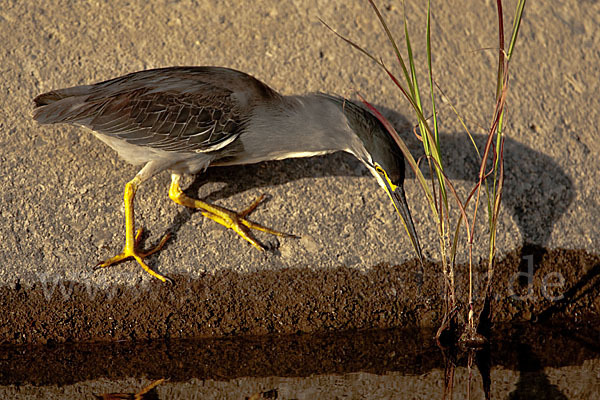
x: 185, y: 119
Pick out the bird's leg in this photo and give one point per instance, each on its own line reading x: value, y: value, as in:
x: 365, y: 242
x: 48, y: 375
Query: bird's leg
x: 227, y: 218
x: 134, y: 396
x: 145, y: 390
x: 131, y: 242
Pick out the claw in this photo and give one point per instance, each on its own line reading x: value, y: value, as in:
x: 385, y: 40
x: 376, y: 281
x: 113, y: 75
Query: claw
x: 134, y: 252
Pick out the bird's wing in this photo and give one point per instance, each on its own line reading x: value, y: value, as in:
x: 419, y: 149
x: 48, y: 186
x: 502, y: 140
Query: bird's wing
x: 173, y: 109
x: 167, y: 120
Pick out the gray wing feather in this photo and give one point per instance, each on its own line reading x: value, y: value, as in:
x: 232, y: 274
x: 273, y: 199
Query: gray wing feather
x: 170, y: 109
x: 165, y: 120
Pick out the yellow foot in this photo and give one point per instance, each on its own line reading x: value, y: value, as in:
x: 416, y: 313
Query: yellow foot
x: 133, y: 396
x: 239, y: 223
x: 133, y: 251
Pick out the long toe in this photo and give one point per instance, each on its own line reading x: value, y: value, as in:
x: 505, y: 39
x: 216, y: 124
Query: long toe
x: 227, y: 218
x: 238, y: 222
x: 135, y: 253
x: 235, y: 223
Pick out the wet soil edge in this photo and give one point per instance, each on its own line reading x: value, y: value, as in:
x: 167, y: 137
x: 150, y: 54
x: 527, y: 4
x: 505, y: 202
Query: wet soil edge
x: 531, y: 284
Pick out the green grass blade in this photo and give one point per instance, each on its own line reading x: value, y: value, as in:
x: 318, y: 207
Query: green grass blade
x: 413, y: 82
x: 516, y: 26
x: 434, y: 111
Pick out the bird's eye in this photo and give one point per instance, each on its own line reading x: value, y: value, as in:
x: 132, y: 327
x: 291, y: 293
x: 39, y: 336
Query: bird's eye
x: 379, y: 170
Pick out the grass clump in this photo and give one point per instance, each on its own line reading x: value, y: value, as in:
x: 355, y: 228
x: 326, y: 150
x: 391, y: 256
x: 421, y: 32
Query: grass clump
x: 440, y: 191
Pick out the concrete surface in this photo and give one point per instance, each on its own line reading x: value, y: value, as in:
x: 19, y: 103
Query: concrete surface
x: 61, y: 189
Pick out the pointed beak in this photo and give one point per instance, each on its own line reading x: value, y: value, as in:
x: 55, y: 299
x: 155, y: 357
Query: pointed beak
x: 401, y: 206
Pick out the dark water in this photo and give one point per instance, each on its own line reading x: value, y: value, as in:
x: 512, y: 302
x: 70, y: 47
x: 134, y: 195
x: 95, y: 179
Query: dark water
x: 522, y: 362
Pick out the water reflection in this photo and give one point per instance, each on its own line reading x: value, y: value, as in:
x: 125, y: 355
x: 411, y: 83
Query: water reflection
x: 527, y: 362
x: 147, y: 393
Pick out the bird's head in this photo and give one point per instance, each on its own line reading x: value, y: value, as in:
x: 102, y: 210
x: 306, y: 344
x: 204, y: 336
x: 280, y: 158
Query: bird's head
x: 377, y: 150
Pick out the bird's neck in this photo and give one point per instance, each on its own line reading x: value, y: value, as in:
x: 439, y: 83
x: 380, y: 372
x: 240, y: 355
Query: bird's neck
x: 304, y: 126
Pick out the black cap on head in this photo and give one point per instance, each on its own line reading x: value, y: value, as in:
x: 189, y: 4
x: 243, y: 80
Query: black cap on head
x: 387, y: 163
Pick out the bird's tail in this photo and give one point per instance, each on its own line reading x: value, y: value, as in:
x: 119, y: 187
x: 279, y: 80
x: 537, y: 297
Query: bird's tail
x: 58, y: 105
